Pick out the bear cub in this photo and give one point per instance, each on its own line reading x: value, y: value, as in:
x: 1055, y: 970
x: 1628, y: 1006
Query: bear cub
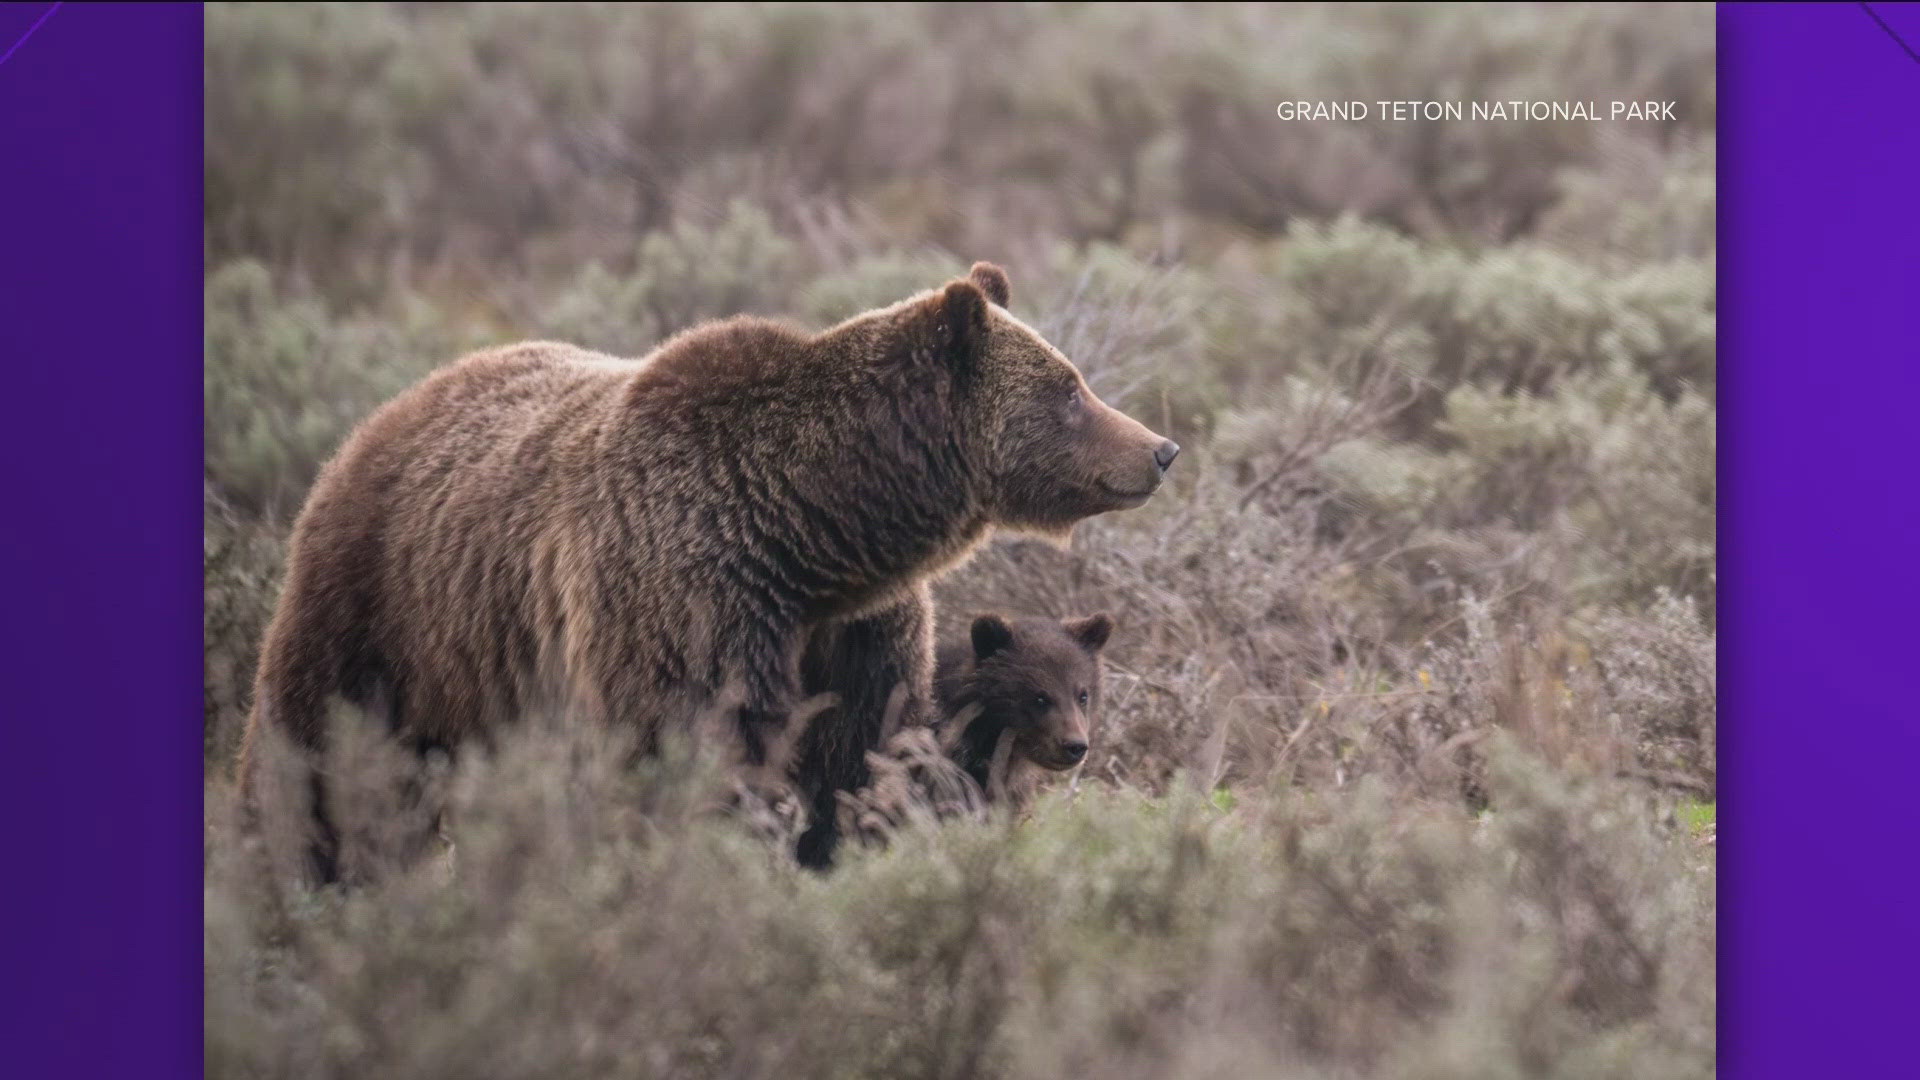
x: 1020, y: 694
x: 1017, y: 699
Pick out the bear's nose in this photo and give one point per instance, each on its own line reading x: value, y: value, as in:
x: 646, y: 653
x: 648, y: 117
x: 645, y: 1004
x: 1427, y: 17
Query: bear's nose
x: 1164, y: 456
x: 1074, y: 750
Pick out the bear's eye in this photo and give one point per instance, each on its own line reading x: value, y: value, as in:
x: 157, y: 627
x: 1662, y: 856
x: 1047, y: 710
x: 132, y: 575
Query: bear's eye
x: 1073, y: 408
x: 1083, y: 699
x: 1042, y: 701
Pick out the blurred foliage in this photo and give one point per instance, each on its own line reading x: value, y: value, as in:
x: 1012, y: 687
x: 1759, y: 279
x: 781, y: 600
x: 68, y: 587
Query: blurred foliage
x: 242, y: 573
x: 286, y: 379
x: 567, y: 926
x: 1426, y: 611
x: 471, y: 142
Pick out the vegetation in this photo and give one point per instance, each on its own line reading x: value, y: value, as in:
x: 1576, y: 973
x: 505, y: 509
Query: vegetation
x: 1407, y: 765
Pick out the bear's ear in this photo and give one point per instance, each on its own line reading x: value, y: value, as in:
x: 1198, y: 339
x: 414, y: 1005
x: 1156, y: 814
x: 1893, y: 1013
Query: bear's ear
x: 992, y: 281
x: 990, y: 634
x: 1091, y: 632
x: 961, y: 323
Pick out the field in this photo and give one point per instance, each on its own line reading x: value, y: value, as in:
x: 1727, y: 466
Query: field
x: 1407, y: 767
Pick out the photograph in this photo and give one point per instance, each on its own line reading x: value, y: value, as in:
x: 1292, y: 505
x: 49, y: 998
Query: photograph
x: 961, y: 540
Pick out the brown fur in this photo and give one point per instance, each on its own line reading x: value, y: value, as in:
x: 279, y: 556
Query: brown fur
x: 996, y: 738
x: 750, y: 514
x: 1022, y: 694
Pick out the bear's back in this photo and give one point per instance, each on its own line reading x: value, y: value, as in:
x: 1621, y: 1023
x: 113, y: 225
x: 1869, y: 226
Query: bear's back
x: 470, y: 525
x: 523, y: 398
x: 489, y: 397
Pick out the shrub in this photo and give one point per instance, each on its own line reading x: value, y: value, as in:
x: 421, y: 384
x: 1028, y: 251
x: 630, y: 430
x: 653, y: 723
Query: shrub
x: 242, y: 565
x: 286, y: 379
x: 594, y: 920
x: 681, y: 276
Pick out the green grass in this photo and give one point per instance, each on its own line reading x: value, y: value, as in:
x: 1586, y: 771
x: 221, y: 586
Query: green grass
x: 1698, y: 817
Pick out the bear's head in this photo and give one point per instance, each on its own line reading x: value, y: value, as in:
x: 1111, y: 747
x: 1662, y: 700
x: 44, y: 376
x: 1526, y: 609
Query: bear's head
x: 1038, y: 679
x: 1046, y: 451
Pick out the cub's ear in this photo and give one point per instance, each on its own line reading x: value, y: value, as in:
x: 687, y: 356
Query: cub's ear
x: 1091, y: 632
x: 990, y: 634
x: 992, y: 281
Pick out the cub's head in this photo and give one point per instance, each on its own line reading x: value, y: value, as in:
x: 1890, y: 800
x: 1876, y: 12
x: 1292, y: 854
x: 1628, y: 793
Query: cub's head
x: 1038, y: 679
x: 1046, y: 449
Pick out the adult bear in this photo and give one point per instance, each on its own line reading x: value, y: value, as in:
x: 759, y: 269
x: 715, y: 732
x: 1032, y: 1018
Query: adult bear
x: 749, y: 515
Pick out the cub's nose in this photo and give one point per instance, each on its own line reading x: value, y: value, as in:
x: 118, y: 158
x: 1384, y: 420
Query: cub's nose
x: 1167, y: 451
x: 1073, y: 750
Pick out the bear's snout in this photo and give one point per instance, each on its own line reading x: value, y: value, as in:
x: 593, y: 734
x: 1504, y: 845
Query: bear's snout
x: 1137, y: 457
x: 1072, y: 750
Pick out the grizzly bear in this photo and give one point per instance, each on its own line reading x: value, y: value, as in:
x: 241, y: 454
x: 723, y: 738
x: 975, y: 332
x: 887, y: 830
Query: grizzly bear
x: 1023, y: 690
x: 748, y: 515
x: 1019, y: 698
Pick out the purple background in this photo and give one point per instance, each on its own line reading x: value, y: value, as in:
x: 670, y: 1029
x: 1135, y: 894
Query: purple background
x: 99, y: 570
x: 100, y: 274
x: 1819, y: 518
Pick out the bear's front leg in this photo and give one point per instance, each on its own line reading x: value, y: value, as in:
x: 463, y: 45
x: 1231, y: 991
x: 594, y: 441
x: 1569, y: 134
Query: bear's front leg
x: 769, y: 690
x: 874, y: 663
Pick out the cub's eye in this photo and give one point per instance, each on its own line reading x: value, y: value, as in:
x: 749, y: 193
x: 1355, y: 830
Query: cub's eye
x: 1042, y: 701
x: 1073, y: 400
x: 1083, y: 699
